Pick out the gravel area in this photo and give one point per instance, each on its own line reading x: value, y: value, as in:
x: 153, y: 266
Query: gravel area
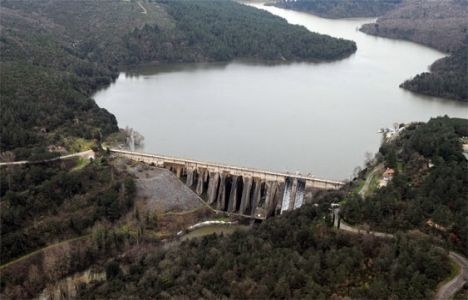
x: 160, y: 190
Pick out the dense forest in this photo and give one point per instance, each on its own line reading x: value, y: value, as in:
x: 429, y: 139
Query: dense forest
x: 438, y: 24
x: 442, y: 25
x: 430, y: 185
x: 341, y: 8
x: 47, y: 202
x: 295, y: 255
x: 56, y: 54
x: 448, y: 78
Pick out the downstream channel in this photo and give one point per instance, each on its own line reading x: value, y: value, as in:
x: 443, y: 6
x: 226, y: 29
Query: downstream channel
x: 317, y: 118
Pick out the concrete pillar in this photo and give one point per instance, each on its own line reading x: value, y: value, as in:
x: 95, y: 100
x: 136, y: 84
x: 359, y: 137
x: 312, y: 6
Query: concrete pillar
x: 178, y: 170
x: 245, y: 194
x: 221, y: 199
x: 190, y: 174
x: 271, y: 198
x: 213, y: 187
x: 292, y: 198
x: 256, y: 197
x: 232, y: 204
x: 200, y: 181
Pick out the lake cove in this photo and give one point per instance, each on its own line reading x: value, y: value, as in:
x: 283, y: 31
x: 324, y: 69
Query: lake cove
x: 318, y: 118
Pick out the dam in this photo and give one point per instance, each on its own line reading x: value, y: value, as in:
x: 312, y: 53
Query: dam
x: 248, y: 192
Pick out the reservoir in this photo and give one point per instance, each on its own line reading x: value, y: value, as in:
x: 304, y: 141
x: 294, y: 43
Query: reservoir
x: 317, y: 118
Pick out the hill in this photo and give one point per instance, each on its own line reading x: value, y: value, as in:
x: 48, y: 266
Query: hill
x: 442, y: 25
x: 341, y: 8
x: 429, y: 190
x: 56, y: 54
x: 292, y: 256
x: 448, y: 78
x: 438, y: 24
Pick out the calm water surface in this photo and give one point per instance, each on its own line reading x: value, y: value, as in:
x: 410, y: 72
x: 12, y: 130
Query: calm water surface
x: 313, y: 118
x: 210, y: 229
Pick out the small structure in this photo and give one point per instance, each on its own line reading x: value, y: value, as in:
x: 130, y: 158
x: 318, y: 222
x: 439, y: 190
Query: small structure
x: 433, y: 224
x: 388, y: 174
x: 59, y: 149
x: 387, y: 177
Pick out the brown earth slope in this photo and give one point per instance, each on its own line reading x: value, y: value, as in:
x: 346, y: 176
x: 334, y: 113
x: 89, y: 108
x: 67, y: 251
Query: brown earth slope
x: 438, y: 24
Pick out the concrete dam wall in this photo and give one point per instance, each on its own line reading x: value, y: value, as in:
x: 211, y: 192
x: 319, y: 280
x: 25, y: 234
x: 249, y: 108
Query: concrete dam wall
x: 249, y: 192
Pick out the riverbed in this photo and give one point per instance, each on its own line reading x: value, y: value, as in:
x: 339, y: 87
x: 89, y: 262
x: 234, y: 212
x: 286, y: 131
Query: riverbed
x: 315, y: 118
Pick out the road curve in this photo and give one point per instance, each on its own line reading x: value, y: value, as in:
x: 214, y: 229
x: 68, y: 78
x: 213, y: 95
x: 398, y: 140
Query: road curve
x: 450, y: 288
x: 444, y: 292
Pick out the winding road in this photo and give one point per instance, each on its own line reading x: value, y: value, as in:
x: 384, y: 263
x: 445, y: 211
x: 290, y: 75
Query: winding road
x: 450, y: 288
x: 444, y: 292
x: 84, y: 154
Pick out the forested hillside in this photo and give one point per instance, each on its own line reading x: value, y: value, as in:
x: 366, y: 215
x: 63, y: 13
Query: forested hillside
x: 430, y: 184
x: 448, y: 78
x: 56, y: 54
x: 292, y: 256
x: 442, y: 25
x: 341, y: 8
x: 80, y: 213
x: 438, y: 24
x: 57, y: 201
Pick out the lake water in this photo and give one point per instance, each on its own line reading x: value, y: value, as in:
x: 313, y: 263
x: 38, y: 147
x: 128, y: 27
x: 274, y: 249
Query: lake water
x: 210, y: 229
x: 313, y: 118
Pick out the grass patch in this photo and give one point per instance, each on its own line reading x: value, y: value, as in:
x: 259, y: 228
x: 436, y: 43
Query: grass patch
x: 359, y: 186
x: 81, y: 163
x: 373, y: 185
x: 78, y: 145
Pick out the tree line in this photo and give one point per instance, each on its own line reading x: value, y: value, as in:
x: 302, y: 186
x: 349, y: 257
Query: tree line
x: 295, y: 255
x: 50, y: 69
x: 430, y: 184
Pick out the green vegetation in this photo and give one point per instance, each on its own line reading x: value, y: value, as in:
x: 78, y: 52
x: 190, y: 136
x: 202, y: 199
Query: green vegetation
x: 225, y: 30
x: 291, y: 256
x: 431, y: 184
x: 448, y: 78
x: 56, y: 54
x: 41, y: 203
x: 441, y: 25
x: 461, y: 294
x: 341, y: 8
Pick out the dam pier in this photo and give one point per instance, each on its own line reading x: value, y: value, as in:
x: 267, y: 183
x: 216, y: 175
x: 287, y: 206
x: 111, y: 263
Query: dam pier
x: 250, y: 192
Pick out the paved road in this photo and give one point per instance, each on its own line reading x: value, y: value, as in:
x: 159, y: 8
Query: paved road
x: 445, y: 291
x: 84, y: 154
x: 450, y: 288
x: 346, y: 227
